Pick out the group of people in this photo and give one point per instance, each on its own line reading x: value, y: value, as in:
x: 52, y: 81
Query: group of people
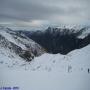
x: 70, y: 69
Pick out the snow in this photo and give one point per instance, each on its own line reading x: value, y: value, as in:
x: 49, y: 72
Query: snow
x: 19, y: 41
x: 45, y: 81
x: 9, y: 37
x: 9, y: 59
x: 76, y: 60
x: 46, y: 72
x: 85, y: 33
x: 51, y: 72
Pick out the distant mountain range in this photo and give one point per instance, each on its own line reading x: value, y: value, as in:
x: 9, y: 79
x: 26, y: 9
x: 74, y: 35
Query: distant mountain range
x: 60, y: 40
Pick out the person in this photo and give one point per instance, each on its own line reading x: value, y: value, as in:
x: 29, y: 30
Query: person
x: 88, y: 70
x: 69, y: 68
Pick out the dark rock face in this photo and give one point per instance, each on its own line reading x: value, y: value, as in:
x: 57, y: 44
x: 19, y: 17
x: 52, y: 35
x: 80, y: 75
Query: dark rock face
x: 84, y: 42
x: 27, y: 55
x: 59, y: 40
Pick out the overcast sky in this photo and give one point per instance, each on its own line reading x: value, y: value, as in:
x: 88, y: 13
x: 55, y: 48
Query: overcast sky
x: 44, y: 12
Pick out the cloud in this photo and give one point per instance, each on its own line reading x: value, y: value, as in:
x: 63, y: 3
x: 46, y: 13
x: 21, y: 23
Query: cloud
x: 41, y: 12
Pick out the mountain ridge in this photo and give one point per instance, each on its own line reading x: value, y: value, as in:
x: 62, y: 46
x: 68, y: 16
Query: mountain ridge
x: 60, y: 40
x: 19, y: 44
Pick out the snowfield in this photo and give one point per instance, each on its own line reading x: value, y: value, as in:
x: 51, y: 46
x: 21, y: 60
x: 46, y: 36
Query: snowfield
x: 49, y: 72
x: 46, y: 72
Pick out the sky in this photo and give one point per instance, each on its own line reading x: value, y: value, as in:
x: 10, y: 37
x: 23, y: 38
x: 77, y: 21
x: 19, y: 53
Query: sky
x: 40, y: 13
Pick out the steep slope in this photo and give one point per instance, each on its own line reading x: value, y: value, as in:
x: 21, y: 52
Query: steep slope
x: 19, y: 44
x: 75, y: 61
x: 84, y: 32
x: 10, y: 59
x: 61, y: 40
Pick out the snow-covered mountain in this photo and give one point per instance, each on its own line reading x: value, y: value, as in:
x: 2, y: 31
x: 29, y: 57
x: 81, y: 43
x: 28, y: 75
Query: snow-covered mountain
x: 60, y: 40
x: 75, y: 61
x: 46, y: 72
x: 49, y: 71
x: 84, y: 32
x: 17, y: 46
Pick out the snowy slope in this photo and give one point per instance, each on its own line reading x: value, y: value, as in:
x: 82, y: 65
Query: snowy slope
x: 9, y: 59
x: 46, y: 72
x: 19, y: 39
x: 77, y: 60
x: 18, y: 44
x: 47, y: 62
x: 51, y: 72
x: 85, y: 32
